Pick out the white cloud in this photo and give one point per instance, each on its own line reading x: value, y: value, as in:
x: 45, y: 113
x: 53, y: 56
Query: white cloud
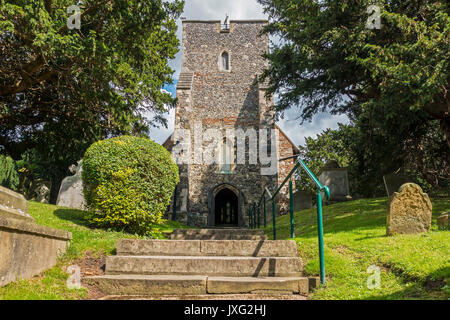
x: 242, y: 10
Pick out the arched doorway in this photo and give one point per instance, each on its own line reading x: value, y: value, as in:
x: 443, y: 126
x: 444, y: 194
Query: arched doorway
x: 226, y: 208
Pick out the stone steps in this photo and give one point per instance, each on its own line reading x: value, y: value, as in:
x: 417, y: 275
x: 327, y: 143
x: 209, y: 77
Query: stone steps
x: 208, y: 266
x: 217, y: 234
x: 143, y: 285
x: 238, y: 248
x: 193, y: 266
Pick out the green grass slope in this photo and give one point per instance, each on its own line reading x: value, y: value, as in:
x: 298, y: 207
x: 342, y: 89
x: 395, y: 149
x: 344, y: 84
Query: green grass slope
x: 51, y: 285
x: 412, y: 266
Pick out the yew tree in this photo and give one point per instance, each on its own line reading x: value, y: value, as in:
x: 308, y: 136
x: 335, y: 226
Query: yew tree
x: 64, y: 87
x: 393, y: 77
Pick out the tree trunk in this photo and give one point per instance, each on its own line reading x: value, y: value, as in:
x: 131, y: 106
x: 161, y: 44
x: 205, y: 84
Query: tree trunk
x: 54, y: 192
x: 445, y: 126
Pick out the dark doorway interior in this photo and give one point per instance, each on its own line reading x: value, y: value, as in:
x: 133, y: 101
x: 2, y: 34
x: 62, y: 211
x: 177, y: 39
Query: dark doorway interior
x: 226, y: 208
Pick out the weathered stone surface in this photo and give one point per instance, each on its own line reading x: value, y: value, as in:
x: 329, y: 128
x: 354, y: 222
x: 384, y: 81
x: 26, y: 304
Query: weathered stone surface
x: 313, y: 283
x: 210, y: 266
x: 41, y: 190
x: 218, y: 234
x: 149, y: 285
x: 233, y: 285
x: 13, y: 213
x: 13, y: 200
x: 302, y: 200
x: 442, y: 221
x: 27, y: 249
x: 211, y: 98
x: 71, y: 191
x: 409, y: 211
x: 254, y: 248
x: 337, y: 181
x: 251, y: 248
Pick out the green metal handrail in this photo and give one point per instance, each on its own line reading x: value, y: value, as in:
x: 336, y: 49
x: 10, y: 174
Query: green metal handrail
x: 255, y: 222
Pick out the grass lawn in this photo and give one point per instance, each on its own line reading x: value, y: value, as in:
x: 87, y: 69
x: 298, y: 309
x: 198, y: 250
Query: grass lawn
x: 94, y: 243
x: 412, y: 266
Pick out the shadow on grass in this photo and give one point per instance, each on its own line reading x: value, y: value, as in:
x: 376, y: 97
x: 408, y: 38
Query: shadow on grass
x: 435, y: 286
x: 359, y: 215
x: 77, y: 217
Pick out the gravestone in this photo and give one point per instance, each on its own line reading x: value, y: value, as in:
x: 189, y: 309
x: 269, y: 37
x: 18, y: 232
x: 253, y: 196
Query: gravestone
x: 336, y: 179
x: 442, y: 221
x: 302, y: 200
x: 41, y: 191
x: 71, y: 191
x: 409, y: 211
x: 393, y: 181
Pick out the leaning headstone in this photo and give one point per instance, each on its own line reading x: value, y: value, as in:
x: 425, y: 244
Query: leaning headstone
x: 71, y: 191
x: 442, y: 221
x: 302, y: 200
x: 409, y: 211
x: 336, y: 179
x: 393, y: 181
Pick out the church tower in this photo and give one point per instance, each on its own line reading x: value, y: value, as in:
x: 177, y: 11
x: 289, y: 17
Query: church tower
x: 217, y: 93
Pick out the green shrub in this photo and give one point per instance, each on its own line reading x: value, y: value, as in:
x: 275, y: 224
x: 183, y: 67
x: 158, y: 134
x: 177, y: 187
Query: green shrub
x: 128, y: 183
x: 9, y: 177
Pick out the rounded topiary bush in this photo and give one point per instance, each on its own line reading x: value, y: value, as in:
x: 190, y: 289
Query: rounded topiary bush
x: 128, y: 183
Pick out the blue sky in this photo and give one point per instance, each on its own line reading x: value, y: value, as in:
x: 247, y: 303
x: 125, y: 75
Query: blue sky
x: 242, y: 9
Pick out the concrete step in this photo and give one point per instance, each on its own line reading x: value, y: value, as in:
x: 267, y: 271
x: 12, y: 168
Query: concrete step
x: 206, y: 266
x: 217, y: 234
x: 146, y: 285
x: 238, y: 248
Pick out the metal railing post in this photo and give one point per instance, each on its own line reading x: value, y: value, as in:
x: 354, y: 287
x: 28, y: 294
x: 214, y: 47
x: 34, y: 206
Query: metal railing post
x: 320, y: 235
x: 273, y: 220
x: 254, y: 216
x: 265, y: 213
x: 291, y: 208
x: 259, y: 216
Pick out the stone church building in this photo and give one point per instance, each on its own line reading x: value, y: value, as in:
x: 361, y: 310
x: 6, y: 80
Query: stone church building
x: 217, y: 90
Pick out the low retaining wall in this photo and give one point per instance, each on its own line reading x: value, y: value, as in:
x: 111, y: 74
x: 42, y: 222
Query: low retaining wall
x: 27, y: 249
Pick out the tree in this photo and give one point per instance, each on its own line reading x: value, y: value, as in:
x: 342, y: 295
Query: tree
x: 329, y: 145
x: 369, y: 154
x: 329, y: 59
x: 63, y: 89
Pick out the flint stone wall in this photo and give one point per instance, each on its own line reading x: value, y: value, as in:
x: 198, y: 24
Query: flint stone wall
x: 222, y: 100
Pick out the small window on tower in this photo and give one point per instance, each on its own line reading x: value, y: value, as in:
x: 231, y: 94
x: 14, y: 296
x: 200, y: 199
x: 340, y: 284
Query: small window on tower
x: 225, y: 61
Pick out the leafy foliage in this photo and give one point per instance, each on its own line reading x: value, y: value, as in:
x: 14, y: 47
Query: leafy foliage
x: 329, y: 145
x: 128, y: 183
x: 9, y: 177
x: 329, y: 59
x: 61, y: 89
x: 391, y: 82
x: 370, y: 154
